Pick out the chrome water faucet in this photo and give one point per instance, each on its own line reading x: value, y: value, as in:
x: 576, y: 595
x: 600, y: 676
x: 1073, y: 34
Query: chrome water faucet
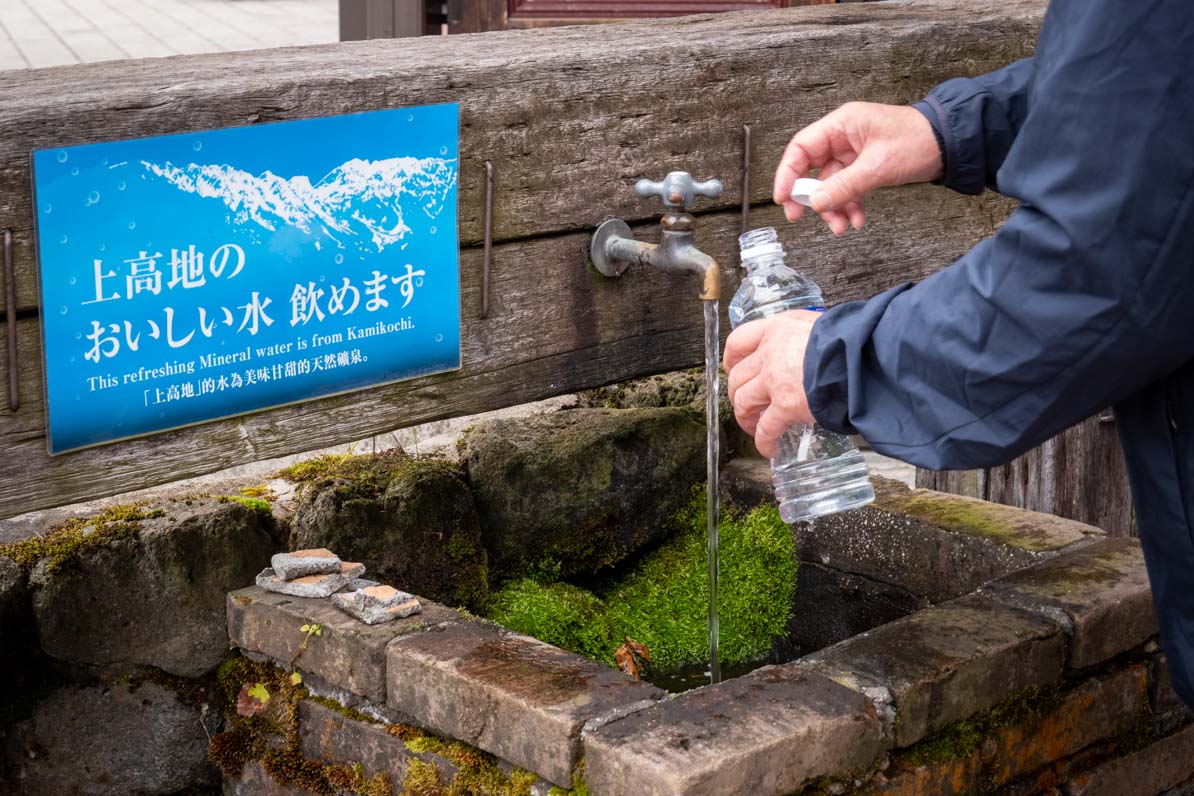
x: 614, y: 247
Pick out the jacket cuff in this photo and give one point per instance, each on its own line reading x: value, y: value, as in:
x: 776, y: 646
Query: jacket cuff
x: 954, y: 110
x: 825, y: 371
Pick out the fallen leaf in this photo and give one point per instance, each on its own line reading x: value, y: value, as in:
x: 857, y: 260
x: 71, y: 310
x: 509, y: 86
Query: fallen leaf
x: 252, y: 699
x: 296, y: 679
x: 631, y: 656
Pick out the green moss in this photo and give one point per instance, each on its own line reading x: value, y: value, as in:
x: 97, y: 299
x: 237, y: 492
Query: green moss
x: 346, y: 712
x: 970, y: 517
x: 367, y: 475
x: 560, y: 614
x: 256, y: 504
x: 64, y: 542
x: 662, y: 601
x: 579, y: 786
x: 257, y: 491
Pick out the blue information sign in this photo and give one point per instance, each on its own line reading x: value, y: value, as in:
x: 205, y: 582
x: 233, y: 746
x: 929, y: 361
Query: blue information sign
x: 191, y: 277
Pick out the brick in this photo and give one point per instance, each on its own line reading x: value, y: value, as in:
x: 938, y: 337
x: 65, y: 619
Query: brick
x: 1165, y: 764
x: 764, y: 733
x: 513, y: 696
x: 331, y: 737
x: 948, y: 662
x: 348, y: 654
x: 1096, y: 710
x: 1101, y: 590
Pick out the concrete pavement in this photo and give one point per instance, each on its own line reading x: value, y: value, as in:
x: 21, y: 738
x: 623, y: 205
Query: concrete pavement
x: 37, y: 33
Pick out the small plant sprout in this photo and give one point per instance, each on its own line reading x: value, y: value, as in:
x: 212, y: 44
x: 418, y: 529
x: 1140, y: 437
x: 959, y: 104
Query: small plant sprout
x: 311, y: 630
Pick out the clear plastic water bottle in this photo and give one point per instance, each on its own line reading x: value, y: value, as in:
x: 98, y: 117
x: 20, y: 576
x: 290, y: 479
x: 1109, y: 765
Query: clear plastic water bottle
x: 816, y: 471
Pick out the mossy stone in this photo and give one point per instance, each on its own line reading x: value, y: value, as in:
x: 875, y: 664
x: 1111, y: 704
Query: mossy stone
x: 411, y: 522
x: 153, y: 595
x: 578, y: 491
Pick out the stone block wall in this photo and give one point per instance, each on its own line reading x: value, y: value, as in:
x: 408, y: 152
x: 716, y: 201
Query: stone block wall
x: 1046, y: 678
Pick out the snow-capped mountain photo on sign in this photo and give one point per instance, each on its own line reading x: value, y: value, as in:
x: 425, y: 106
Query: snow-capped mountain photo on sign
x: 209, y: 274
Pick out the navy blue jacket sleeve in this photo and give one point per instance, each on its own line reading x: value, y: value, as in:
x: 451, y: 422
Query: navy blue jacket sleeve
x: 976, y: 120
x: 1086, y: 293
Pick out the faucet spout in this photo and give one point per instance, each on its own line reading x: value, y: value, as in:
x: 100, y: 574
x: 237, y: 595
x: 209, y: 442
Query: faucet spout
x: 614, y: 248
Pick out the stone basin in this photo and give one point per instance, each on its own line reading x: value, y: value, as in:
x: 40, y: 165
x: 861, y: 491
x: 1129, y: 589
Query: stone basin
x: 940, y: 645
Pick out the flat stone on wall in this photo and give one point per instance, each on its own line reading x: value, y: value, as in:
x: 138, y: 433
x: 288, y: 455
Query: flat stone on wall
x: 764, y: 734
x: 513, y: 696
x: 347, y: 654
x: 1102, y: 592
x: 948, y: 662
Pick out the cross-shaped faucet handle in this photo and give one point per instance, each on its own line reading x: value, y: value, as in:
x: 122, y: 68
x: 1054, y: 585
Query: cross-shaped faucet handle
x: 678, y: 189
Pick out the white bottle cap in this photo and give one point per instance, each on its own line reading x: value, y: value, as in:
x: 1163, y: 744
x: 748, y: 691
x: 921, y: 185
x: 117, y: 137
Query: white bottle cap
x: 803, y: 189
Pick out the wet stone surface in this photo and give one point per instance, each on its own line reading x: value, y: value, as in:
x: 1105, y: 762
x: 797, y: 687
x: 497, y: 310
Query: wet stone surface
x: 510, y: 695
x: 946, y: 663
x: 1101, y: 591
x: 765, y: 733
x: 347, y: 654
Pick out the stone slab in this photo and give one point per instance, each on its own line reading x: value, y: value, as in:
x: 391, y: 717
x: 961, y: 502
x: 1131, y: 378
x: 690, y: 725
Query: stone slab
x: 375, y: 605
x: 1028, y: 740
x: 511, y: 695
x: 348, y: 654
x: 935, y: 546
x: 1164, y: 764
x: 764, y: 734
x: 316, y: 561
x: 1101, y: 590
x: 948, y: 662
x: 1030, y: 531
x: 332, y: 737
x: 311, y: 586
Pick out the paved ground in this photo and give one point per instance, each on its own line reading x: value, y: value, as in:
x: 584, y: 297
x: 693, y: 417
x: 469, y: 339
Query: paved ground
x: 35, y: 33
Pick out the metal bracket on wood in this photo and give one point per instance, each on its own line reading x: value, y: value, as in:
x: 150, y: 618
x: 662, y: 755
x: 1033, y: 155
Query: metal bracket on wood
x: 488, y: 257
x: 10, y: 317
x: 746, y: 156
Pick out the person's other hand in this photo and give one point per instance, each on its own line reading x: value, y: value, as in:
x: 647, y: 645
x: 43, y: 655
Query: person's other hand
x: 859, y: 147
x: 765, y: 362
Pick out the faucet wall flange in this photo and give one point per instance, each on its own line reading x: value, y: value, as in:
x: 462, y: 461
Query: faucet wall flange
x: 608, y: 230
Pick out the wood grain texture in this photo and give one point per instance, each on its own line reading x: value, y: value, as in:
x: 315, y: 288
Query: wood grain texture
x: 570, y: 117
x: 555, y: 326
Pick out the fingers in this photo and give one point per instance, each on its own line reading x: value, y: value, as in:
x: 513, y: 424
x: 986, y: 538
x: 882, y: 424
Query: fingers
x: 743, y: 372
x: 850, y: 184
x: 770, y: 426
x: 742, y: 342
x: 837, y: 220
x: 749, y: 402
x: 811, y: 148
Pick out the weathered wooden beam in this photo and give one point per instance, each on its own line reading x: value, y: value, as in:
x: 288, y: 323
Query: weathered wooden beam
x: 1079, y: 474
x: 555, y: 326
x: 570, y: 117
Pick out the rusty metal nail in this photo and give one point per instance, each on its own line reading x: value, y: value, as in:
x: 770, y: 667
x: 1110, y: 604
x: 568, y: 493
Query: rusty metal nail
x: 746, y: 156
x: 488, y: 259
x: 10, y: 317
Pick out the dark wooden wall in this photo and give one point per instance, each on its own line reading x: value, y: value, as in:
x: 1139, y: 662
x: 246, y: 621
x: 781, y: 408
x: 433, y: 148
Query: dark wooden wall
x: 569, y: 118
